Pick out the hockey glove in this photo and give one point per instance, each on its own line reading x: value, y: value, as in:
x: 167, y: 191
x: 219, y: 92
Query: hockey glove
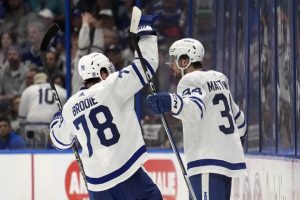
x: 146, y: 24
x: 165, y: 102
x: 56, y: 118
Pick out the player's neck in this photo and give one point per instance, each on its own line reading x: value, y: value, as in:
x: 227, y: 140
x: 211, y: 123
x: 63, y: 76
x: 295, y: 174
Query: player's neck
x: 190, y: 69
x: 88, y: 85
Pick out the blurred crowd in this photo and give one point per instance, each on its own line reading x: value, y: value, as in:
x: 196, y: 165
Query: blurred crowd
x: 26, y: 101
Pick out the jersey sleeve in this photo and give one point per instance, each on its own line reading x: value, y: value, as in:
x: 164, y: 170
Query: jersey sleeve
x: 84, y: 37
x: 128, y: 81
x: 192, y: 97
x: 60, y: 132
x: 239, y: 118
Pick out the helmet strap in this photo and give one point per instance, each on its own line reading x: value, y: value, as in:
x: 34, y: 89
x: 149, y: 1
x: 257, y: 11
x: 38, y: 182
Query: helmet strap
x: 182, y: 68
x: 182, y: 72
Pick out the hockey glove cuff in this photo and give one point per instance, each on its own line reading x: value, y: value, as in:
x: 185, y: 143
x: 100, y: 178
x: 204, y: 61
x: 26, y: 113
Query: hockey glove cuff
x: 164, y: 102
x: 56, y: 118
x: 177, y: 104
x: 146, y: 24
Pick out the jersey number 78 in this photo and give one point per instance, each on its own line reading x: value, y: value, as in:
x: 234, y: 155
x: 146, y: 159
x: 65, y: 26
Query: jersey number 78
x: 100, y: 127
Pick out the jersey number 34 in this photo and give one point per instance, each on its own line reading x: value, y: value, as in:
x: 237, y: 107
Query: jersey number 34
x: 225, y: 113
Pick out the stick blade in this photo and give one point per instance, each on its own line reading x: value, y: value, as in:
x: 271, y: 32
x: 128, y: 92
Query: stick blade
x: 48, y: 36
x: 135, y: 19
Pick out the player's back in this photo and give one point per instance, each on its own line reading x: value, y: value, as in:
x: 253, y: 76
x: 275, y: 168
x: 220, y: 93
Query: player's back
x: 108, y: 132
x: 210, y: 129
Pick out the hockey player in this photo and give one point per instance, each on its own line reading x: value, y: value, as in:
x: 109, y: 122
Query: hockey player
x: 212, y: 122
x: 103, y: 119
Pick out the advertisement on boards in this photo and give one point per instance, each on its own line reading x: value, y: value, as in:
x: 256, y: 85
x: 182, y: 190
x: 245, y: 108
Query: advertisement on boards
x: 64, y: 180
x: 50, y: 176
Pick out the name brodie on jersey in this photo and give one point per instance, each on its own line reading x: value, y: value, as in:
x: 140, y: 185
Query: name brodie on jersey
x: 217, y: 85
x: 84, y: 104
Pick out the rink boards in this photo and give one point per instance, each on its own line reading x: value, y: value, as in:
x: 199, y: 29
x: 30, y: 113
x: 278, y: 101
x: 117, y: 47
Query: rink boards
x: 55, y: 176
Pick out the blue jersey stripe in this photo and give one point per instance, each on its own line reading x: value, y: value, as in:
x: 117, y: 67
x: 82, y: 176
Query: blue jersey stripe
x: 119, y: 171
x: 59, y: 142
x: 142, y: 33
x: 138, y: 74
x: 53, y: 123
x: 242, y: 125
x: 214, y: 162
x: 199, y: 105
x: 238, y: 115
x: 149, y: 67
x: 36, y: 123
x: 198, y: 99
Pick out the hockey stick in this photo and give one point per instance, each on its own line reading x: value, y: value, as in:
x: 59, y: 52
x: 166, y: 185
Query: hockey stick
x: 45, y: 42
x: 135, y: 19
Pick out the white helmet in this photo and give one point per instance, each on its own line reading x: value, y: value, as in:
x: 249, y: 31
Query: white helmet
x: 89, y: 66
x: 187, y: 46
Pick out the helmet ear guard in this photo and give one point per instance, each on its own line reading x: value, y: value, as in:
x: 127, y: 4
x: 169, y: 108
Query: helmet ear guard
x: 189, y: 47
x: 89, y: 66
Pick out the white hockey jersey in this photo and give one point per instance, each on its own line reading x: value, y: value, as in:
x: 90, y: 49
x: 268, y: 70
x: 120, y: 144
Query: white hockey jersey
x: 104, y: 121
x: 212, y: 125
x: 37, y: 106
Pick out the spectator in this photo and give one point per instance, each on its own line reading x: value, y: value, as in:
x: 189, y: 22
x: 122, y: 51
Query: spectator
x: 29, y: 77
x: 16, y: 19
x: 46, y: 17
x: 76, y: 21
x: 90, y: 29
x: 52, y: 62
x: 12, y: 80
x: 170, y: 14
x: 114, y: 54
x: 106, y: 18
x: 59, y: 79
x: 90, y: 38
x: 98, y: 32
x: 6, y: 39
x: 35, y: 32
x: 59, y: 49
x: 13, y: 115
x: 110, y: 37
x: 8, y: 138
x: 36, y: 98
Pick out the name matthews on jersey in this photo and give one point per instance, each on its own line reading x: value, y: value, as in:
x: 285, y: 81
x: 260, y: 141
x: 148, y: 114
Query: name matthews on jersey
x: 217, y: 85
x: 83, y: 104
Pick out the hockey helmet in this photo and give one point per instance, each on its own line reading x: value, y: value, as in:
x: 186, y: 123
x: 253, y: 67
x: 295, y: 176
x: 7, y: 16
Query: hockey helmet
x: 89, y: 66
x: 186, y: 46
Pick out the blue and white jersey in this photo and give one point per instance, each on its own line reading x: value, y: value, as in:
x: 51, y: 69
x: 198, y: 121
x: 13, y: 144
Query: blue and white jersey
x: 104, y: 121
x: 212, y: 125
